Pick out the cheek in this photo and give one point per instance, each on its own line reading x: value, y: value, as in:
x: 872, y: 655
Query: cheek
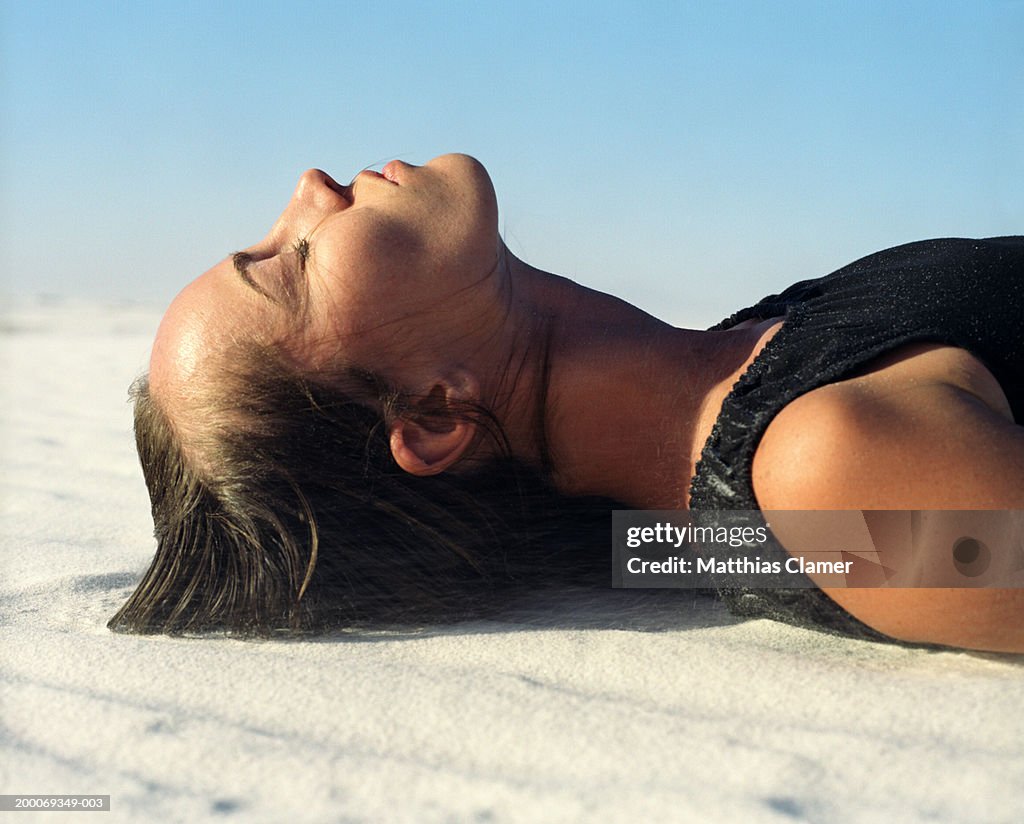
x: 360, y: 280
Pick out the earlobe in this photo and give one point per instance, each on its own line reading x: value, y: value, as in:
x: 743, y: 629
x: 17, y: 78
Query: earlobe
x: 435, y: 433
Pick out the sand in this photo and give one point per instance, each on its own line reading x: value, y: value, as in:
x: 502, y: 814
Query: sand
x: 638, y: 706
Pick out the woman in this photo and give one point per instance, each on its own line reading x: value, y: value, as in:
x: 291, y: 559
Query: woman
x: 378, y: 413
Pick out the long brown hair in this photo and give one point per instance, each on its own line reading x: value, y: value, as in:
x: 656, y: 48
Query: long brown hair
x: 298, y: 518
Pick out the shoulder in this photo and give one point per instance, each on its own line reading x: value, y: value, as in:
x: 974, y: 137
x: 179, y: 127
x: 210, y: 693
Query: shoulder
x: 902, y: 445
x: 930, y: 430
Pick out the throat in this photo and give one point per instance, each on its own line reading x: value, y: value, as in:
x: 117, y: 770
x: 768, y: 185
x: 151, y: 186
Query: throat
x: 629, y: 415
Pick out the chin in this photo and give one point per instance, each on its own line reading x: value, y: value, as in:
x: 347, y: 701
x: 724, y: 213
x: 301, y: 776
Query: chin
x: 473, y: 184
x: 463, y: 167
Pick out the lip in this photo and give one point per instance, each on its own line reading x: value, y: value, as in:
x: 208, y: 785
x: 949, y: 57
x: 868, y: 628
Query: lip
x: 392, y: 171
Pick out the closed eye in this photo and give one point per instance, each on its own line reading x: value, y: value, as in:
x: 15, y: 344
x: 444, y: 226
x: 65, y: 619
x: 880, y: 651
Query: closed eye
x: 302, y: 250
x: 298, y: 288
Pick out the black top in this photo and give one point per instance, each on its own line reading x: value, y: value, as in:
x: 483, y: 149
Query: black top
x: 965, y: 293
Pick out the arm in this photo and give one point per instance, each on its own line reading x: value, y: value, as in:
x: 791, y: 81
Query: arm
x: 925, y: 445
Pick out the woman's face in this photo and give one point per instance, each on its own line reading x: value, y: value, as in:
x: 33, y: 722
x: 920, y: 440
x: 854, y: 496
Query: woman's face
x: 374, y: 271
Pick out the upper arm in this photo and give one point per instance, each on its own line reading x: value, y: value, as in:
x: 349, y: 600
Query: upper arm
x: 924, y: 447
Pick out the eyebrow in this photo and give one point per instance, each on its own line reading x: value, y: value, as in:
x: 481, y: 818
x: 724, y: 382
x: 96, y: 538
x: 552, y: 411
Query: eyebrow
x: 294, y: 300
x: 241, y: 261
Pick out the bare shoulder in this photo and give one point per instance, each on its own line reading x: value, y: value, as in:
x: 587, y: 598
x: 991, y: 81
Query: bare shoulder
x: 928, y: 431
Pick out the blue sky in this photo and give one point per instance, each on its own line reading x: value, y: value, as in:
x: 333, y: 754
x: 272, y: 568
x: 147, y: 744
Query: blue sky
x: 689, y: 156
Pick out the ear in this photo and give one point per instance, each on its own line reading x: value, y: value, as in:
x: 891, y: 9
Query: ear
x: 432, y: 435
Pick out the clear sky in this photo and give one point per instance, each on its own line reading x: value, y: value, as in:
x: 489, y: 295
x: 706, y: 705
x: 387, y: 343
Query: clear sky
x: 689, y: 156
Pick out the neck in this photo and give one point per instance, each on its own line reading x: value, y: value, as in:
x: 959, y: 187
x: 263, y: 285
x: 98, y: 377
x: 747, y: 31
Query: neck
x: 610, y: 400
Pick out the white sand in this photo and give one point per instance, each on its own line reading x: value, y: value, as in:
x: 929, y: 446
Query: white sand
x: 642, y: 707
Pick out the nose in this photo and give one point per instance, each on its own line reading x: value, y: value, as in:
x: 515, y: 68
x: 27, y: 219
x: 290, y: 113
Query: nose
x: 318, y: 190
x: 317, y: 196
